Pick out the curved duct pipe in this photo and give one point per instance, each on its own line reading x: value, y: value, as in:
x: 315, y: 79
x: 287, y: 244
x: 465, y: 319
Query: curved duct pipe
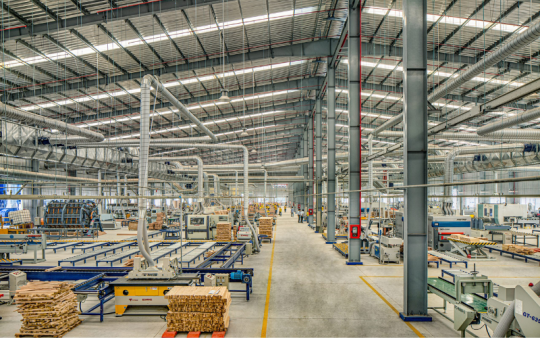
x: 206, y: 183
x: 144, y: 145
x: 246, y: 174
x: 501, y: 137
x: 216, y: 184
x: 509, y: 315
x: 526, y: 116
x: 179, y: 167
x: 42, y: 121
x: 449, y: 165
x: 144, y: 148
x: 512, y: 45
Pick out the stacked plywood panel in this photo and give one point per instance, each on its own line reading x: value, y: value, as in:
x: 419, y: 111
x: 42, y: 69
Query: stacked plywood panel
x: 47, y: 308
x: 223, y: 232
x: 204, y: 309
x: 520, y: 249
x: 468, y: 239
x: 265, y: 226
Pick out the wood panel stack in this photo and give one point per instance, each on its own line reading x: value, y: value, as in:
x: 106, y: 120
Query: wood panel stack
x: 468, y: 239
x: 223, y: 232
x: 47, y: 308
x: 204, y: 309
x: 133, y: 225
x: 265, y: 226
x: 520, y: 249
x: 221, y: 212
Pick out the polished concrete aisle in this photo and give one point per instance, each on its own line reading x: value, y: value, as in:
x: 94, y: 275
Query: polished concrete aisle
x: 314, y: 293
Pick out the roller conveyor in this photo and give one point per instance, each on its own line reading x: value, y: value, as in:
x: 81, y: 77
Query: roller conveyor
x: 447, y: 290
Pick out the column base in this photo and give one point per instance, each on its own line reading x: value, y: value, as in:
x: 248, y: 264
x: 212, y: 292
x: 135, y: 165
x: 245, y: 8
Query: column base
x: 354, y: 263
x: 415, y: 318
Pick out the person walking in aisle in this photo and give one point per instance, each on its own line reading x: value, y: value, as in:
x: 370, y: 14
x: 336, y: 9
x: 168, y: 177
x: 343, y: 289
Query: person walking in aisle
x: 302, y: 216
x: 299, y: 213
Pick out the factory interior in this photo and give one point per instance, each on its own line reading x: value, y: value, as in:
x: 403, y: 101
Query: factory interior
x: 270, y: 168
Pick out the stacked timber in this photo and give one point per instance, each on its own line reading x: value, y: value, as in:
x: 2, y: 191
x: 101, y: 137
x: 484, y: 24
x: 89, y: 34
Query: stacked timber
x: 468, y: 239
x: 223, y: 232
x: 47, y: 308
x: 204, y: 309
x: 221, y: 212
x: 265, y: 226
x: 520, y: 249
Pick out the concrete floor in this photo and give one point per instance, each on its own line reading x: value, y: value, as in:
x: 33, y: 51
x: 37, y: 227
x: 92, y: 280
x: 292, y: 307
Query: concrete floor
x: 312, y: 294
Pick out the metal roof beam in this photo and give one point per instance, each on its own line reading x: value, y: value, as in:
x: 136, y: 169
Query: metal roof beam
x: 104, y: 17
x: 318, y: 48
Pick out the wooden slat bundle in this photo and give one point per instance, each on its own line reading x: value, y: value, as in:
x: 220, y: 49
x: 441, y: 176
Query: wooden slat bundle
x: 223, y: 232
x: 204, y: 309
x: 47, y: 308
x: 520, y: 249
x: 265, y: 226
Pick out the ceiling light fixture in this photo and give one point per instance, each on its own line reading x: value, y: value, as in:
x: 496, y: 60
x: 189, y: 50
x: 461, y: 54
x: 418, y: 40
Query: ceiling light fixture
x: 224, y: 96
x: 244, y: 133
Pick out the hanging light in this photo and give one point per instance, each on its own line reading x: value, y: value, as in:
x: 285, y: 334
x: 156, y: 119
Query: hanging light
x: 253, y: 151
x: 244, y: 133
x: 225, y: 96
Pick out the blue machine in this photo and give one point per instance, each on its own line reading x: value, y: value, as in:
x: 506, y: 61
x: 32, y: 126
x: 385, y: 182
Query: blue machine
x: 441, y: 227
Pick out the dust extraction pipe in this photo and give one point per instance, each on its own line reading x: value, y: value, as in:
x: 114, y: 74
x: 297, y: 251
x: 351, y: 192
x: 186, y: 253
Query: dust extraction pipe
x: 526, y: 116
x: 129, y: 142
x: 505, y: 50
x: 174, y: 161
x: 86, y: 135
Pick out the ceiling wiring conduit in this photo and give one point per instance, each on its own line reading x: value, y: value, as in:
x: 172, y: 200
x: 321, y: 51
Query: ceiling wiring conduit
x: 505, y: 50
x: 11, y: 112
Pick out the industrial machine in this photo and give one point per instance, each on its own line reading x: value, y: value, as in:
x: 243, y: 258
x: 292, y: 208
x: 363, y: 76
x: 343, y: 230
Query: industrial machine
x: 474, y: 302
x: 197, y: 227
x: 440, y: 227
x: 21, y: 244
x: 71, y: 215
x: 386, y: 249
x: 16, y: 280
x: 108, y: 222
x: 213, y: 220
x: 501, y: 214
x: 243, y: 234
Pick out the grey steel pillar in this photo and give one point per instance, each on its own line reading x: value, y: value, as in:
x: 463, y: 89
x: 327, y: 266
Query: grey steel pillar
x: 310, y: 179
x: 331, y: 156
x: 355, y: 147
x: 415, y: 159
x: 305, y: 166
x: 318, y: 167
x: 35, y: 191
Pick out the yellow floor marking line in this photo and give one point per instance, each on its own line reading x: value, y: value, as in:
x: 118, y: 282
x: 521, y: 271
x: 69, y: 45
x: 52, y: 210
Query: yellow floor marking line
x: 392, y: 307
x: 267, y: 303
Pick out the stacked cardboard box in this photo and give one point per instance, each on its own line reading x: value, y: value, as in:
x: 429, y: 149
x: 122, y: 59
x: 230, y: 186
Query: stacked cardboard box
x: 133, y: 225
x: 47, y: 308
x: 204, y: 309
x: 223, y: 232
x: 265, y: 226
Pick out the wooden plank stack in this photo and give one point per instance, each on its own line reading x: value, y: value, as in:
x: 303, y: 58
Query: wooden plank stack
x: 265, y: 226
x: 204, y: 309
x: 520, y: 249
x: 468, y: 239
x: 223, y: 232
x: 47, y: 308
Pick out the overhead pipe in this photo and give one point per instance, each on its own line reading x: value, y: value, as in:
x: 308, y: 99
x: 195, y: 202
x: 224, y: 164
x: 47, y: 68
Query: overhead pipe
x: 505, y: 50
x: 127, y: 142
x: 20, y: 115
x: 449, y: 164
x: 507, y: 122
x: 174, y: 161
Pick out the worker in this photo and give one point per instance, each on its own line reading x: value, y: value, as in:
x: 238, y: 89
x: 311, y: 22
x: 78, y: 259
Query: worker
x: 292, y: 212
x: 284, y: 208
x: 299, y: 216
x: 280, y: 211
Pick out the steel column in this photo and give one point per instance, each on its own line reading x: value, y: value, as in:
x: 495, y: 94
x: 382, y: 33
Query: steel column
x: 415, y: 159
x: 310, y: 150
x: 35, y: 191
x: 318, y: 168
x: 355, y: 147
x: 331, y: 157
x: 306, y: 183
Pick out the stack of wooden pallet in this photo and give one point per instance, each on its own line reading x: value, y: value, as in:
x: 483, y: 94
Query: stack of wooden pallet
x: 47, y: 308
x: 468, y: 239
x: 520, y: 249
x: 223, y: 232
x: 221, y: 212
x: 265, y: 226
x: 204, y: 309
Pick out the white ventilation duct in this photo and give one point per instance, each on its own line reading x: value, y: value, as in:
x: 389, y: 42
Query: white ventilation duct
x: 86, y: 135
x: 174, y: 161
